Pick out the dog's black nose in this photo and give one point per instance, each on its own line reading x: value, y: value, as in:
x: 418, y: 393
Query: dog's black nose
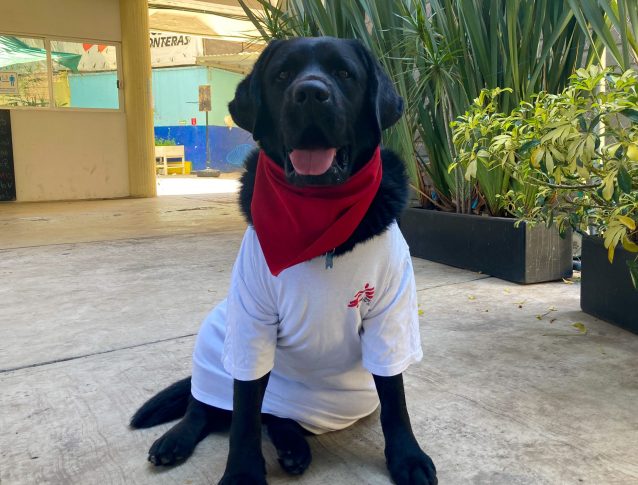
x: 311, y: 91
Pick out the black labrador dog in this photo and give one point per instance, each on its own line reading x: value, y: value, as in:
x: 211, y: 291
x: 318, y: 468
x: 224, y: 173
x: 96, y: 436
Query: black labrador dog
x: 316, y: 107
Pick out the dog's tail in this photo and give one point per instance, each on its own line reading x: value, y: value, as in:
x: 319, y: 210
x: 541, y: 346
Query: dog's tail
x: 167, y: 405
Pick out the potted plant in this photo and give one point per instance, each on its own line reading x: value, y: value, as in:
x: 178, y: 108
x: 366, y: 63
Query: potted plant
x: 457, y: 49
x: 583, y: 170
x: 500, y: 245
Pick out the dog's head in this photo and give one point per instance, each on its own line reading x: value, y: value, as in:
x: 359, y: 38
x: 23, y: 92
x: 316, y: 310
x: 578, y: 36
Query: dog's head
x: 317, y: 107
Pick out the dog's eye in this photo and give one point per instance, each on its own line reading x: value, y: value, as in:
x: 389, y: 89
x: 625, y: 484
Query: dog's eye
x: 343, y: 74
x: 283, y: 75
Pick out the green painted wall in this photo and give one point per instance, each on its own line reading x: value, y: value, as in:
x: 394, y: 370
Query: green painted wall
x: 176, y: 92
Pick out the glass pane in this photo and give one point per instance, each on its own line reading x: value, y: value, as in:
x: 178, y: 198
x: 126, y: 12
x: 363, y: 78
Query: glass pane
x: 23, y: 72
x: 84, y: 75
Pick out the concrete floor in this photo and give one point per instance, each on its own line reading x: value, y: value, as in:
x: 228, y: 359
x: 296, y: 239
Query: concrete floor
x: 100, y: 301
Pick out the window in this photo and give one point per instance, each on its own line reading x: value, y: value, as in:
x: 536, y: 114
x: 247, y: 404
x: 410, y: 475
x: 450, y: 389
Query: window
x: 23, y: 72
x: 61, y: 74
x: 84, y: 75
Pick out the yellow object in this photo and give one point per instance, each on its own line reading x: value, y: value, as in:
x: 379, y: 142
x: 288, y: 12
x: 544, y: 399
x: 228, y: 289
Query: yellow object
x: 187, y: 168
x: 632, y: 152
x: 61, y: 89
x: 537, y: 156
x: 228, y: 121
x: 136, y: 67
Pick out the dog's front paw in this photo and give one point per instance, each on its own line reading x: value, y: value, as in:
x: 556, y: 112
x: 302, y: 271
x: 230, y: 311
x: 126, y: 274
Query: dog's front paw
x: 411, y: 466
x: 242, y: 479
x: 173, y: 447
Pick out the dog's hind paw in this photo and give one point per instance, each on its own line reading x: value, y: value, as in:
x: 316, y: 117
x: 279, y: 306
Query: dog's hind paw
x: 293, y: 450
x: 296, y: 461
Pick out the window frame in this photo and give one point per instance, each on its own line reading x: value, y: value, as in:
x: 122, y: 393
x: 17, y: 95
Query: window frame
x: 47, y: 46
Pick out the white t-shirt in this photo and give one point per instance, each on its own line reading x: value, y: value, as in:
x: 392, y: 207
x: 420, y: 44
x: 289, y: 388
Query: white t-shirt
x: 320, y: 331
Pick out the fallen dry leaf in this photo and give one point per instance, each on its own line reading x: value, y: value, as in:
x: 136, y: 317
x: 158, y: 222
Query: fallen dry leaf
x: 580, y: 327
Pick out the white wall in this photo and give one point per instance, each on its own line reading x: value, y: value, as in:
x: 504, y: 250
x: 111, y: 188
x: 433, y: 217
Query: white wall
x: 69, y: 155
x: 61, y: 155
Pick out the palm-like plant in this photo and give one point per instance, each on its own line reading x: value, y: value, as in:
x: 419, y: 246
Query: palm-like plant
x: 612, y: 24
x: 461, y: 47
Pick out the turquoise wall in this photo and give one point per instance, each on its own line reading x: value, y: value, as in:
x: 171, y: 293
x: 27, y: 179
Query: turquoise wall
x: 175, y: 103
x: 176, y: 93
x: 95, y: 90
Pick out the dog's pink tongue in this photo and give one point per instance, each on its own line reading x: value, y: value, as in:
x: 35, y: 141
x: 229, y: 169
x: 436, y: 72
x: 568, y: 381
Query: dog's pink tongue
x: 312, y: 162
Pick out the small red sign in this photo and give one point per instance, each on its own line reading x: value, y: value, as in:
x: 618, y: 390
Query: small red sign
x: 193, y: 121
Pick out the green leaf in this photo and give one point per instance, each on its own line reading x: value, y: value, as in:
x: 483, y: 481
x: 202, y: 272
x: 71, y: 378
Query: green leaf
x: 608, y: 188
x: 620, y: 151
x: 629, y: 245
x: 582, y: 123
x: 633, y: 271
x: 537, y: 155
x: 632, y: 114
x: 626, y: 221
x: 614, y: 233
x: 470, y: 173
x: 549, y: 162
x: 624, y: 180
x: 529, y: 145
x: 610, y: 253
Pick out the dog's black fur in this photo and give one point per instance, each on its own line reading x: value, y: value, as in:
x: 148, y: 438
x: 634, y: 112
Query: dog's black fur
x: 298, y: 97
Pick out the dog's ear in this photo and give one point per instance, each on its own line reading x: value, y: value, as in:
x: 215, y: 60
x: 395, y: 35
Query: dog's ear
x: 246, y: 108
x: 382, y: 95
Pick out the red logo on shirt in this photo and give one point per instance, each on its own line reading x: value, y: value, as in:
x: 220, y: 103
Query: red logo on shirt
x: 366, y: 295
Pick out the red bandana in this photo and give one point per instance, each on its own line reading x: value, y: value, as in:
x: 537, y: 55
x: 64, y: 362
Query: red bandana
x: 296, y: 224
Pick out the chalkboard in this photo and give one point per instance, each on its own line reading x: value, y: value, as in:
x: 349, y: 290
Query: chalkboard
x: 7, y: 175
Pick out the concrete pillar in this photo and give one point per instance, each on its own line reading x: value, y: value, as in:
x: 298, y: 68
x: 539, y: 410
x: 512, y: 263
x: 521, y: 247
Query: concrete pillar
x: 136, y: 66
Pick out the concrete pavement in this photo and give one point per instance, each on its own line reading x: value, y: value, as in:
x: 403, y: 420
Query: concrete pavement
x: 100, y: 302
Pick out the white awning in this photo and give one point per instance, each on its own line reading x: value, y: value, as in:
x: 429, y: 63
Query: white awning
x: 240, y: 63
x: 219, y: 19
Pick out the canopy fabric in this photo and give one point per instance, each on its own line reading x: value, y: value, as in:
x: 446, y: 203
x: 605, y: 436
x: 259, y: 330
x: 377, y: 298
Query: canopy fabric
x: 13, y: 51
x: 240, y: 63
x: 219, y: 19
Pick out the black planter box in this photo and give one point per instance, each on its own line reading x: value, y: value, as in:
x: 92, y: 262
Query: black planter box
x: 606, y: 290
x: 491, y: 245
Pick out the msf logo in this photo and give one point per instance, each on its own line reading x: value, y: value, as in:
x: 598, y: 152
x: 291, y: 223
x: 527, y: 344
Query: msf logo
x: 366, y: 295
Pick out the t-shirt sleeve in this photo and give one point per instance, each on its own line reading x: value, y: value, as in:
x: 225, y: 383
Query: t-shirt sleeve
x: 252, y: 322
x: 390, y: 337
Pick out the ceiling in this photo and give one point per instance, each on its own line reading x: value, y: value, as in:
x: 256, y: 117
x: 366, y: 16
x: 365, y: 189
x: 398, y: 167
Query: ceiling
x: 219, y: 19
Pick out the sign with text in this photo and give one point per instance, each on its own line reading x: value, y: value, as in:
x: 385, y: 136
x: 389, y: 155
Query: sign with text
x: 169, y: 49
x: 9, y: 82
x: 204, y: 97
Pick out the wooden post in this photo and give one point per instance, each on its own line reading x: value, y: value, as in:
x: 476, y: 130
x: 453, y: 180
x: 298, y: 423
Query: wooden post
x: 136, y: 66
